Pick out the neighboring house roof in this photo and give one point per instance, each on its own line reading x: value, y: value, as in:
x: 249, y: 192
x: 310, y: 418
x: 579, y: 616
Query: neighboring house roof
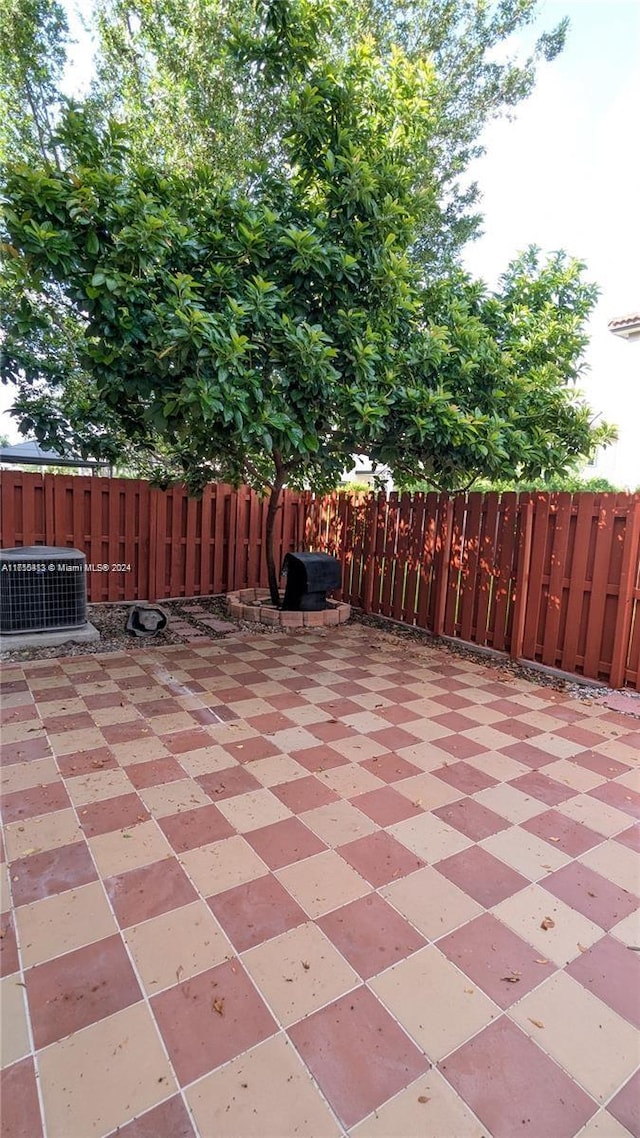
x: 30, y: 453
x: 628, y: 327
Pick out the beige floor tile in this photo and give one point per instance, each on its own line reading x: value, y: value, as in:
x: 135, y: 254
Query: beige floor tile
x: 570, y: 774
x: 128, y: 849
x: 429, y: 837
x: 604, y: 1125
x: 596, y: 815
x: 264, y: 1093
x: 540, y: 719
x: 631, y: 779
x: 247, y: 708
x: 512, y: 804
x: 426, y: 729
x: 322, y: 883
x: 14, y: 1034
x: 617, y: 749
x: 350, y: 780
x: 434, y: 1001
x: 617, y: 862
x: 252, y: 810
x: 428, y: 791
x: 366, y: 721
x: 530, y: 855
x: 358, y: 748
x: 423, y: 755
x: 47, y: 832
x: 174, y: 797
x: 500, y: 767
x: 595, y: 1045
x: 18, y: 732
x: 292, y: 739
x: 307, y: 714
x: 571, y: 934
x: 175, y: 721
x: 338, y: 823
x: 290, y: 988
x: 5, y: 889
x: 139, y: 751
x: 206, y: 760
x: 170, y: 948
x: 104, y: 716
x: 628, y: 930
x: 97, y: 786
x: 68, y: 742
x: 434, y: 905
x: 488, y: 736
x: 428, y: 1108
x: 223, y: 864
x: 63, y: 922
x: 23, y: 776
x: 276, y: 769
x: 223, y: 733
x: 104, y: 1075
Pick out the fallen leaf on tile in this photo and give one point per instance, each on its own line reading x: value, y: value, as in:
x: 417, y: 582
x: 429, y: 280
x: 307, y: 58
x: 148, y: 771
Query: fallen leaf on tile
x: 469, y: 991
x: 423, y: 1099
x: 511, y: 979
x: 582, y: 947
x: 536, y: 1022
x: 590, y: 894
x: 553, y: 839
x: 548, y: 923
x: 542, y: 961
x: 306, y: 965
x: 218, y: 1006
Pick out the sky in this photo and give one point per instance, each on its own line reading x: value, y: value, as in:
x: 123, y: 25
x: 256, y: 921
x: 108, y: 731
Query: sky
x: 563, y: 174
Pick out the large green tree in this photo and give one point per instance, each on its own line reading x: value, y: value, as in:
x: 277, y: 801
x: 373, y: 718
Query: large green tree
x: 268, y: 334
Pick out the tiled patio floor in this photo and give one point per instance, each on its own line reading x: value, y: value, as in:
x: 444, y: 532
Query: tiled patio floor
x: 319, y: 885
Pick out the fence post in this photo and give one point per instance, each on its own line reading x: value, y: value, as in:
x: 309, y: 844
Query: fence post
x: 442, y: 566
x: 368, y: 552
x: 152, y: 590
x: 628, y: 572
x: 522, y: 580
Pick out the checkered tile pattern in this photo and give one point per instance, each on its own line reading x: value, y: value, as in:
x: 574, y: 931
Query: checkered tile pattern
x: 325, y: 884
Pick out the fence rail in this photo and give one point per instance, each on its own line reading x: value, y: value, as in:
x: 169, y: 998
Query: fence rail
x: 553, y: 578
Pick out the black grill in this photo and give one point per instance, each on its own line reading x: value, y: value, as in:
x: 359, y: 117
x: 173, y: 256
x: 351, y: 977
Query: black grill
x: 42, y: 588
x: 310, y: 576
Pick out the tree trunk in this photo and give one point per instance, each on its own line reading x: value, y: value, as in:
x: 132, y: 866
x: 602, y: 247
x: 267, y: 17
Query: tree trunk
x: 274, y: 500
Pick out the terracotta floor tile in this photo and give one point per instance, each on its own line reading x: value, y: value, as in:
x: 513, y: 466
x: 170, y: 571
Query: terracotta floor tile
x: 198, y: 1037
x: 100, y: 1077
x: 357, y: 1053
x: 20, y: 1105
x: 338, y: 821
x: 33, y: 802
x: 321, y: 758
x: 429, y: 837
x: 168, y: 1120
x: 322, y: 883
x: 265, y: 1091
x: 284, y: 842
x: 592, y: 894
x: 299, y: 971
x: 529, y: 754
x: 14, y: 1033
x: 573, y: 838
x: 52, y: 871
x: 194, y: 828
x: 330, y: 730
x: 176, y: 945
x: 25, y: 750
x: 148, y: 891
x: 625, y: 1106
x: 524, y: 852
x: 460, y: 747
x: 155, y: 772
x: 611, y: 973
x: 222, y: 864
x: 616, y: 862
x: 228, y: 782
x: 464, y: 777
x: 428, y: 1108
x: 122, y: 850
x: 46, y: 832
x: 179, y: 742
x: 86, y: 762
x: 390, y: 767
x: 305, y: 793
x: 570, y: 934
x: 79, y: 988
x: 112, y: 814
x: 379, y: 858
x: 370, y: 934
x: 600, y: 764
x: 489, y: 954
x: 66, y: 921
x: 592, y: 1043
x: 482, y: 876
x: 630, y: 838
x: 9, y: 962
x: 471, y: 818
x: 514, y: 1088
x: 385, y: 806
x: 540, y: 786
x: 256, y: 911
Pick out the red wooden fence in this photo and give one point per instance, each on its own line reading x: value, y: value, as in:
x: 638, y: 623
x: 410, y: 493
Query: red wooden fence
x: 148, y: 544
x: 553, y: 578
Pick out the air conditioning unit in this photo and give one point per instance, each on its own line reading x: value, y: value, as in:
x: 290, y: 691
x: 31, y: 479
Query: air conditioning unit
x: 42, y: 589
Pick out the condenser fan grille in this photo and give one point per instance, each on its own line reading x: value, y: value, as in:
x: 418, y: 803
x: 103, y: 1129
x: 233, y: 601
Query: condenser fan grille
x: 42, y: 588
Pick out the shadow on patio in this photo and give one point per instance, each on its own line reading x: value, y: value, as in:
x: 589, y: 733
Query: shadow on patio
x: 315, y: 885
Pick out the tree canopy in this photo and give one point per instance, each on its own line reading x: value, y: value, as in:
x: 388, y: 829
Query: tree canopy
x: 268, y: 325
